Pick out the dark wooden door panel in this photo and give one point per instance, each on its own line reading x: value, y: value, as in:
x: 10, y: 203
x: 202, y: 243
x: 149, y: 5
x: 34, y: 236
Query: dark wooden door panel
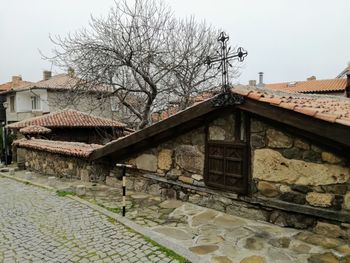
x: 227, y: 166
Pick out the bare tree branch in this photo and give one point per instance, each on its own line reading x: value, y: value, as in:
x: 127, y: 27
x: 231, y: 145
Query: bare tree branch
x: 144, y: 54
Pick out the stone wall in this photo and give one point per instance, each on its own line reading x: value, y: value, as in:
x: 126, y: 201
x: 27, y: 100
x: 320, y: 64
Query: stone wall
x: 290, y: 169
x: 293, y: 182
x: 181, y: 159
x: 64, y: 166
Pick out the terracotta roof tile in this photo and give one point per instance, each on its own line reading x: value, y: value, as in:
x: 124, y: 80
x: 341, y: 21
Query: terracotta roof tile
x: 67, y: 118
x: 272, y: 100
x: 34, y: 129
x: 66, y: 148
x: 288, y: 105
x: 255, y: 95
x: 325, y: 107
x: 242, y: 91
x: 310, y: 86
x: 306, y: 110
x: 326, y: 117
x: 10, y: 85
x: 343, y: 121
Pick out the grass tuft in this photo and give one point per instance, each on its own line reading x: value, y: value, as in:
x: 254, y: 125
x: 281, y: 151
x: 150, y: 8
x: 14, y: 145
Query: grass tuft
x: 116, y: 210
x: 64, y: 193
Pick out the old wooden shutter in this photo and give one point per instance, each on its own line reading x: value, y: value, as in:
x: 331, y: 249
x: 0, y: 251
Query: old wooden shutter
x: 227, y: 166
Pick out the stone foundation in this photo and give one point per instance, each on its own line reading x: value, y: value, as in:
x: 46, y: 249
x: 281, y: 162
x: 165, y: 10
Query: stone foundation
x: 314, y: 219
x: 64, y: 166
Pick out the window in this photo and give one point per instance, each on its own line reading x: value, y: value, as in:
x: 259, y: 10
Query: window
x: 12, y: 104
x: 35, y: 102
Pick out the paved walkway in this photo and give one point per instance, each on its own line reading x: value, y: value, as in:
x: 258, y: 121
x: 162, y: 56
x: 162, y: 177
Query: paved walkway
x: 214, y: 236
x: 36, y: 225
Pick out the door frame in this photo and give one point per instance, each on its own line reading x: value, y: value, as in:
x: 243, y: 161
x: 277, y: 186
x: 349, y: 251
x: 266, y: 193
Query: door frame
x: 245, y: 144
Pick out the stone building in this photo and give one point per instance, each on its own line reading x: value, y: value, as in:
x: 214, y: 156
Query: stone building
x: 272, y: 156
x: 61, y: 159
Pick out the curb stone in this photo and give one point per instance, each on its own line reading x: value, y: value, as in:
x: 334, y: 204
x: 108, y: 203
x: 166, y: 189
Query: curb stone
x: 27, y: 182
x: 126, y: 222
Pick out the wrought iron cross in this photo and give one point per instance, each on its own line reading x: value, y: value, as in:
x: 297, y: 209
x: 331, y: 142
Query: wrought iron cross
x: 223, y: 58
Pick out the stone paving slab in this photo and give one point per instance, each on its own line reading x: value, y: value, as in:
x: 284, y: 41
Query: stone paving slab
x: 36, y: 225
x: 212, y: 235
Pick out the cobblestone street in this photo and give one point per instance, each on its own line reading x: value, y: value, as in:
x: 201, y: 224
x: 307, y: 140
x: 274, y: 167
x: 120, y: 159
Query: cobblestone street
x: 38, y: 226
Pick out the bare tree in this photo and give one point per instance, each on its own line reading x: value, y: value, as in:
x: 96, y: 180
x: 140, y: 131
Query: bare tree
x: 142, y: 51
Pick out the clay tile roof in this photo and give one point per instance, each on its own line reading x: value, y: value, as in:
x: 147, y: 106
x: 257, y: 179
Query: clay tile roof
x: 69, y: 119
x: 310, y: 86
x: 75, y: 149
x: 34, y: 129
x: 334, y: 109
x: 61, y: 82
x: 14, y: 85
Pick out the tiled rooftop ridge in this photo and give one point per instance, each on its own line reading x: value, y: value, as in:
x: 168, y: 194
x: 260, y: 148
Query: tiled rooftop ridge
x: 66, y: 148
x: 329, y: 108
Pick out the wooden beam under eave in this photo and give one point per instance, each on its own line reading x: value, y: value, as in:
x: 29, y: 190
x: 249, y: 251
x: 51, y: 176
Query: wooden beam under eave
x: 337, y: 133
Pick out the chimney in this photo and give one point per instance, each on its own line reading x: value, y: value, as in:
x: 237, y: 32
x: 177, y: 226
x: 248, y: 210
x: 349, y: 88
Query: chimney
x: 261, y: 80
x: 311, y: 78
x: 252, y: 82
x: 16, y: 80
x: 347, y: 88
x: 47, y: 75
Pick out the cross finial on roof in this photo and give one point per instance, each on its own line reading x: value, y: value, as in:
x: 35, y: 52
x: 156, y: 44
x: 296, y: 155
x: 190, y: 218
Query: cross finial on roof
x: 223, y: 58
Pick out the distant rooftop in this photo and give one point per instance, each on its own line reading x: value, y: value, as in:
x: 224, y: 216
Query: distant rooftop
x: 57, y: 82
x: 16, y: 82
x: 69, y: 119
x: 310, y: 86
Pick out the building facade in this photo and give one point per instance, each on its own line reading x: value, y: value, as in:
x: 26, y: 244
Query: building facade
x: 55, y: 93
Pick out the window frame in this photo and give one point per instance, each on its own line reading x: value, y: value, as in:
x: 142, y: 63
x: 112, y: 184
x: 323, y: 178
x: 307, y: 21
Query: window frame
x: 36, y: 102
x: 12, y: 100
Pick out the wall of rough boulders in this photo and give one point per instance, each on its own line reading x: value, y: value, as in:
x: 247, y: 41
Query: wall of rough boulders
x: 284, y: 169
x: 293, y: 170
x: 290, y: 169
x: 181, y: 159
x: 64, y: 166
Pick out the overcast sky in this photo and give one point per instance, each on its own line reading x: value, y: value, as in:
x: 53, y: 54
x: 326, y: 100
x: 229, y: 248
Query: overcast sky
x: 286, y: 39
